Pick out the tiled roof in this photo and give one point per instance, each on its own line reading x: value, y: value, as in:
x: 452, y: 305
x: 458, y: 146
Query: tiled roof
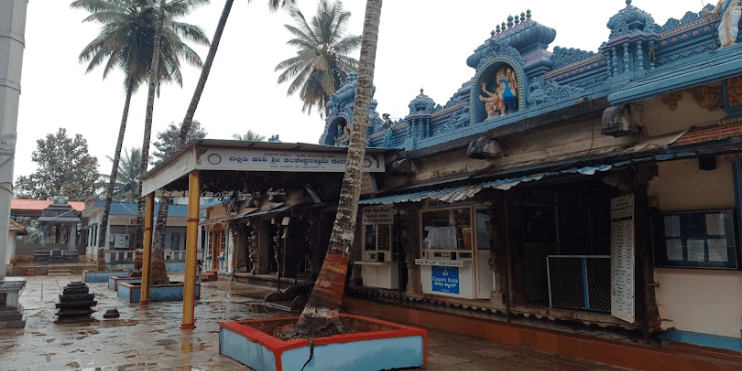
x: 708, y: 134
x: 38, y: 205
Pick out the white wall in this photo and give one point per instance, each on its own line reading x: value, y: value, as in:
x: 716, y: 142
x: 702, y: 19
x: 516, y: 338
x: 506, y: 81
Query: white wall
x: 697, y: 300
x: 700, y: 300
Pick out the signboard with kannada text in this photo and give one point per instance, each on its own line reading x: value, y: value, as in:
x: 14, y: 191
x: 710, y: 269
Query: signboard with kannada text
x: 272, y: 160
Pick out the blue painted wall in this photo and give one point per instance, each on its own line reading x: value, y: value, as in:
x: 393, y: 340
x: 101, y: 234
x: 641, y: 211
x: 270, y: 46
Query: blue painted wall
x: 636, y: 50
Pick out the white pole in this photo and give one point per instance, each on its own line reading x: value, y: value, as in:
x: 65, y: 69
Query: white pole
x: 12, y: 43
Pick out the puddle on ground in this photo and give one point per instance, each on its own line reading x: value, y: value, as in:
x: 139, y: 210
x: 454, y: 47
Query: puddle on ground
x: 188, y: 347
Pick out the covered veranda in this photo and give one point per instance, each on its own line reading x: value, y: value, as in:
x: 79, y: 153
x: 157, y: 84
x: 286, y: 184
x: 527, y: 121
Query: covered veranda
x: 238, y: 169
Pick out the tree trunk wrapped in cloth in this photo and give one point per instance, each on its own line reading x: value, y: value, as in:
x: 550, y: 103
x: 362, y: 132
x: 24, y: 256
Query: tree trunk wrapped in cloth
x: 321, y: 315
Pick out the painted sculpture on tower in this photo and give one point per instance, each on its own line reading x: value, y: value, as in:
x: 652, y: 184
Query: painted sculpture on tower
x: 342, y: 139
x: 505, y: 97
x: 389, y: 127
x: 730, y: 11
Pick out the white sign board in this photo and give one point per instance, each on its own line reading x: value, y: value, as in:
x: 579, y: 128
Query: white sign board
x: 272, y: 160
x: 622, y: 258
x: 439, y: 263
x: 378, y: 215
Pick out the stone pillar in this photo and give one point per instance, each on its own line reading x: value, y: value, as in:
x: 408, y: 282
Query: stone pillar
x: 12, y: 43
x: 71, y: 237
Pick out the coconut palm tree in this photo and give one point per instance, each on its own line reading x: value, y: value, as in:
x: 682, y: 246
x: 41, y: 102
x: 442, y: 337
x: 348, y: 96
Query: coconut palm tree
x: 321, y: 314
x: 186, y: 126
x: 321, y: 63
x: 126, y: 41
x: 127, y: 176
x: 249, y: 136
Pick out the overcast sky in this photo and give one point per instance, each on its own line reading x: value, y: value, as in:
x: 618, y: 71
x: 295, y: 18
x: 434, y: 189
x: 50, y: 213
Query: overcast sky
x: 422, y: 44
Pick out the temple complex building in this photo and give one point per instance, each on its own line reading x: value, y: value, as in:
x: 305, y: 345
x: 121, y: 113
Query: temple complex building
x: 593, y: 192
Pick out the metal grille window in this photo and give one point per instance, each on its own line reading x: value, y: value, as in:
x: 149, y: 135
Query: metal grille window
x: 579, y: 282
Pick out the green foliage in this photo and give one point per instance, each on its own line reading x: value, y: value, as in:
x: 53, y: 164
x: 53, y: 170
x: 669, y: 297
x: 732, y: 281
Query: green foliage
x: 167, y: 141
x: 64, y: 167
x: 250, y: 136
x: 32, y: 227
x: 126, y: 39
x: 321, y: 63
x: 127, y: 177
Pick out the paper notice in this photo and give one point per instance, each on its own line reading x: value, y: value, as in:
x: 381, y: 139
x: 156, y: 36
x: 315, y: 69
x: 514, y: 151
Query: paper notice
x: 718, y: 250
x: 696, y: 250
x: 674, y: 249
x: 672, y: 226
x: 715, y: 224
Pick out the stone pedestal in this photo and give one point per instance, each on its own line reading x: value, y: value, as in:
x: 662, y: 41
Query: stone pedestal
x: 11, y: 312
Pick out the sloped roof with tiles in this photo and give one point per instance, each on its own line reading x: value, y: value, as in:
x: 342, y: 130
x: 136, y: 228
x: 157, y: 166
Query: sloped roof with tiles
x: 33, y: 208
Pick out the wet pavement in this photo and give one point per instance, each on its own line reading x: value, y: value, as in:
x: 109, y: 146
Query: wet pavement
x: 149, y: 337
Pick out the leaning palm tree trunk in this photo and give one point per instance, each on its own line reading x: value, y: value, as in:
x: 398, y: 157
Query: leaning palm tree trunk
x: 205, y: 70
x: 321, y: 314
x: 153, y: 83
x: 114, y: 172
x: 158, y: 273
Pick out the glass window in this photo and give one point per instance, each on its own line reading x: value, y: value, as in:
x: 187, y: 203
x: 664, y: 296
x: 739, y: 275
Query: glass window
x: 448, y: 229
x: 377, y: 242
x: 483, y: 230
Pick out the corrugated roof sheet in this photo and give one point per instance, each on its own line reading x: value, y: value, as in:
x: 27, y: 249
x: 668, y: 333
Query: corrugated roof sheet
x: 460, y: 193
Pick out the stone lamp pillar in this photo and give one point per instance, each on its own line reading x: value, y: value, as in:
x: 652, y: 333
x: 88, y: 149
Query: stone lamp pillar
x: 12, y: 43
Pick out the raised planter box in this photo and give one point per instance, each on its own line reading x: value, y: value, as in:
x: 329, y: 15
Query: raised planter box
x: 376, y: 345
x: 209, y: 276
x: 88, y: 276
x: 132, y: 291
x: 114, y: 281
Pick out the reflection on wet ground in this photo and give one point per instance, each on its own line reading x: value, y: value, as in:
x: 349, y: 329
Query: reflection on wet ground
x: 142, y: 338
x: 150, y: 338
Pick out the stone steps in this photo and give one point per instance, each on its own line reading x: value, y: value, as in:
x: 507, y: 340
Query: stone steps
x: 58, y: 272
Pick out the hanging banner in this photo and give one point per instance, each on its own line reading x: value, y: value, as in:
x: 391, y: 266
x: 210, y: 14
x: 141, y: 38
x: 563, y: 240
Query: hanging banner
x: 622, y: 258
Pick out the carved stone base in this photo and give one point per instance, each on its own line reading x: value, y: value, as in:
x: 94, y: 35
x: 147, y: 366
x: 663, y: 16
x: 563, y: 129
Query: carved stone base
x: 498, y: 299
x: 11, y: 313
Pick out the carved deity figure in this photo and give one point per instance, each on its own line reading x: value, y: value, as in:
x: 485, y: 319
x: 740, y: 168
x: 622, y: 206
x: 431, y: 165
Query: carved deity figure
x: 492, y: 101
x: 508, y: 85
x: 505, y: 95
x: 730, y: 11
x: 389, y: 127
x: 343, y: 135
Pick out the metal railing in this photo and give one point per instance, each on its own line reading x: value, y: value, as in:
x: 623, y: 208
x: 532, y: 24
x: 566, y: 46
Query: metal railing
x: 579, y: 281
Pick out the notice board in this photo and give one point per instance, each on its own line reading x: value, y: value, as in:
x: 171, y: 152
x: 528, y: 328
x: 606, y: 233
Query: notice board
x: 622, y: 258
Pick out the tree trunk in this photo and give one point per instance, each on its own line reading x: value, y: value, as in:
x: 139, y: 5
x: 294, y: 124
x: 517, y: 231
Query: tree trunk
x: 158, y: 274
x: 114, y: 170
x: 205, y: 70
x: 153, y: 83
x: 321, y: 314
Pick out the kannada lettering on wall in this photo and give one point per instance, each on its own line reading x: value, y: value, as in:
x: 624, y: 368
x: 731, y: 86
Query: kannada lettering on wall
x: 622, y: 258
x: 445, y: 279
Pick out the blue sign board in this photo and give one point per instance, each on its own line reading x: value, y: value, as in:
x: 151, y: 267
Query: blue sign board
x: 445, y: 279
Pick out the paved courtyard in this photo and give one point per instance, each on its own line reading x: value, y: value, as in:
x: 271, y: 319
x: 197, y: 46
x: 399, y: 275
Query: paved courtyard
x: 149, y: 338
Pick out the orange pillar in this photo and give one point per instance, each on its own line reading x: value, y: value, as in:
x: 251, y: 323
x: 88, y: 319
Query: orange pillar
x: 149, y: 212
x: 189, y: 289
